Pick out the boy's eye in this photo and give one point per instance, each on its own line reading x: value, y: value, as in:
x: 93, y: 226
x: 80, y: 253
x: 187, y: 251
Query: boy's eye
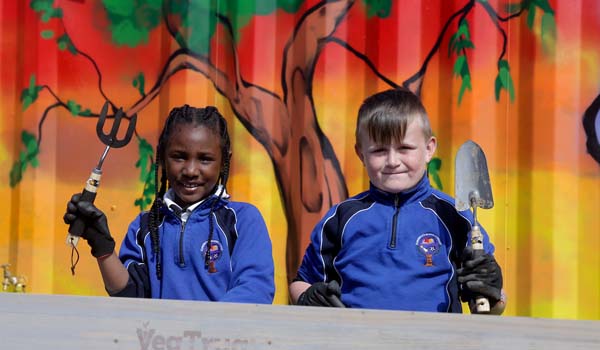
x: 377, y: 149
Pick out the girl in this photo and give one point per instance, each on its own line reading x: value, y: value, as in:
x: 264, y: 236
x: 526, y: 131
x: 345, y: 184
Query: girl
x: 193, y: 243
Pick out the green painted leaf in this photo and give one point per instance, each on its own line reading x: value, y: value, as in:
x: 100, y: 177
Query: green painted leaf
x: 503, y: 63
x: 497, y: 88
x: 463, y: 44
x: 461, y: 39
x: 58, y: 13
x: 47, y: 34
x: 86, y: 112
x: 132, y: 21
x: 514, y: 7
x: 506, y: 82
x: 30, y: 94
x: 125, y: 33
x: 32, y: 84
x: 458, y: 64
x: 289, y: 6
x: 29, y: 141
x: 145, y: 161
x: 73, y: 107
x: 139, y: 82
x: 35, y: 162
x: 120, y: 7
x: 148, y: 192
x: 463, y: 29
x: 46, y: 16
x: 452, y: 43
x: 28, y: 156
x: 41, y: 5
x: 64, y: 42
x: 16, y: 174
x: 548, y: 33
x: 530, y: 15
x: 197, y: 20
x: 544, y: 5
x: 146, y: 166
x: 503, y: 74
x: 511, y: 88
x: 466, y: 84
x: 27, y: 101
x: 379, y: 8
x: 433, y: 170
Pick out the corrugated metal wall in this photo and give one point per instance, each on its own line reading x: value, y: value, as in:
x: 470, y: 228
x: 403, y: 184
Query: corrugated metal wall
x: 298, y: 71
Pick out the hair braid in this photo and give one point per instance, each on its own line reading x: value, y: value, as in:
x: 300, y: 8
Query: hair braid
x: 210, y: 118
x: 211, y: 113
x: 155, y: 217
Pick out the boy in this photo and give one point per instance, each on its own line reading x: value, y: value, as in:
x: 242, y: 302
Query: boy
x: 401, y: 245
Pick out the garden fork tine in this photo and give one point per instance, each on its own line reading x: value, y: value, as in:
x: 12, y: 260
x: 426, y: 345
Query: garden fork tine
x: 110, y: 139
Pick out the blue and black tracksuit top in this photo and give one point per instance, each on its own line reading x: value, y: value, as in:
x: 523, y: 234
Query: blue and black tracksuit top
x: 392, y: 251
x: 241, y: 252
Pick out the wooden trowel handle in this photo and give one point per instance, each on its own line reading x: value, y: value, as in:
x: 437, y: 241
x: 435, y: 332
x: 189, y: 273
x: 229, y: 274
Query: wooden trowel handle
x: 482, y: 305
x: 88, y: 195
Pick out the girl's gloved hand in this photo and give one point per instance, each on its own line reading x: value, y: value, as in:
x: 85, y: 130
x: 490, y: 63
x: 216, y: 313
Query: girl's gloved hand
x: 96, y: 231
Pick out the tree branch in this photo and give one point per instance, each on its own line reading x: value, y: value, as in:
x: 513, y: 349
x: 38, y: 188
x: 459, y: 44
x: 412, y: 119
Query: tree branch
x: 495, y: 19
x: 363, y: 58
x: 417, y: 78
x: 94, y: 64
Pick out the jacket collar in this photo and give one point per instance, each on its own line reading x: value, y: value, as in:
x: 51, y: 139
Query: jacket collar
x: 201, y: 206
x: 420, y: 191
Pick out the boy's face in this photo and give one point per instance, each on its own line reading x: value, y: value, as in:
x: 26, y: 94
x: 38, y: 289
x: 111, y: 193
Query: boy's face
x: 397, y: 167
x: 192, y: 162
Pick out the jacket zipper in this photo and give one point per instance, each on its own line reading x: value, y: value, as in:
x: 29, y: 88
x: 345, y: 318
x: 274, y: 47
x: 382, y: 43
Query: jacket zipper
x: 394, y: 220
x: 181, y: 258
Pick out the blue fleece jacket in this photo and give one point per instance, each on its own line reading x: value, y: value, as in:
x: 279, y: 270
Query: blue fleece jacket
x: 241, y: 253
x: 392, y: 251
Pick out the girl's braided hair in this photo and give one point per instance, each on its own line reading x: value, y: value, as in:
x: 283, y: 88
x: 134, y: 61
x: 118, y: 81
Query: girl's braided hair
x: 210, y: 118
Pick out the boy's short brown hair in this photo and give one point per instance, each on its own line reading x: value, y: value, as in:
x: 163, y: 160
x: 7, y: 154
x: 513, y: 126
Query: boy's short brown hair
x: 386, y: 115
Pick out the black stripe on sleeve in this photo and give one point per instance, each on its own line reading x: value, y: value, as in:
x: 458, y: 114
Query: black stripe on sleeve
x: 332, y: 233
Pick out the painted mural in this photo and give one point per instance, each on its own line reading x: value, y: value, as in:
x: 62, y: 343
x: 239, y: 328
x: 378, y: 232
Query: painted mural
x: 521, y: 78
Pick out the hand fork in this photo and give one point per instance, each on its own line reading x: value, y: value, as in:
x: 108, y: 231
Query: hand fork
x: 91, y: 186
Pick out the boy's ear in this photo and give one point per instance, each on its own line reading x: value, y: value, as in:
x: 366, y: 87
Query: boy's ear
x: 359, y: 153
x: 430, y: 148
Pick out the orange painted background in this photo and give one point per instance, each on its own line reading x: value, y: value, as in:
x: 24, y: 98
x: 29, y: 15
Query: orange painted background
x: 298, y: 70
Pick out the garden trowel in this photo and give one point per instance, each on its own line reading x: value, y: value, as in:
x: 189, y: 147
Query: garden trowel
x: 472, y: 191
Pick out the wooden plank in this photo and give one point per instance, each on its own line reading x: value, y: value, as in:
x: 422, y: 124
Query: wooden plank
x: 74, y: 322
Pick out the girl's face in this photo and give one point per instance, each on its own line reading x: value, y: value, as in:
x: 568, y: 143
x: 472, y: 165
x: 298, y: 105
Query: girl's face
x: 193, y: 162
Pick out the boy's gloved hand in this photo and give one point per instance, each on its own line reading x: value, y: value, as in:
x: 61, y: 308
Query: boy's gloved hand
x: 322, y: 294
x: 96, y: 231
x: 480, y: 275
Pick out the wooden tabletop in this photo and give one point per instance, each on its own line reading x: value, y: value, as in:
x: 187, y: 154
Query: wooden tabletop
x: 61, y: 322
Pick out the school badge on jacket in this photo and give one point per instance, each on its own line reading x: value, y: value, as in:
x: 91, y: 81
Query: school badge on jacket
x: 429, y: 245
x: 216, y: 251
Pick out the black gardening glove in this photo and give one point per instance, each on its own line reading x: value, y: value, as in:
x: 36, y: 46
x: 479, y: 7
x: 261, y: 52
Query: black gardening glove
x: 480, y: 275
x: 96, y: 231
x: 322, y: 294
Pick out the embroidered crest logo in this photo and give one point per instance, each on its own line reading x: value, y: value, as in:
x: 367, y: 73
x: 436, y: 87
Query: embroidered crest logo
x: 428, y: 245
x: 216, y: 251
